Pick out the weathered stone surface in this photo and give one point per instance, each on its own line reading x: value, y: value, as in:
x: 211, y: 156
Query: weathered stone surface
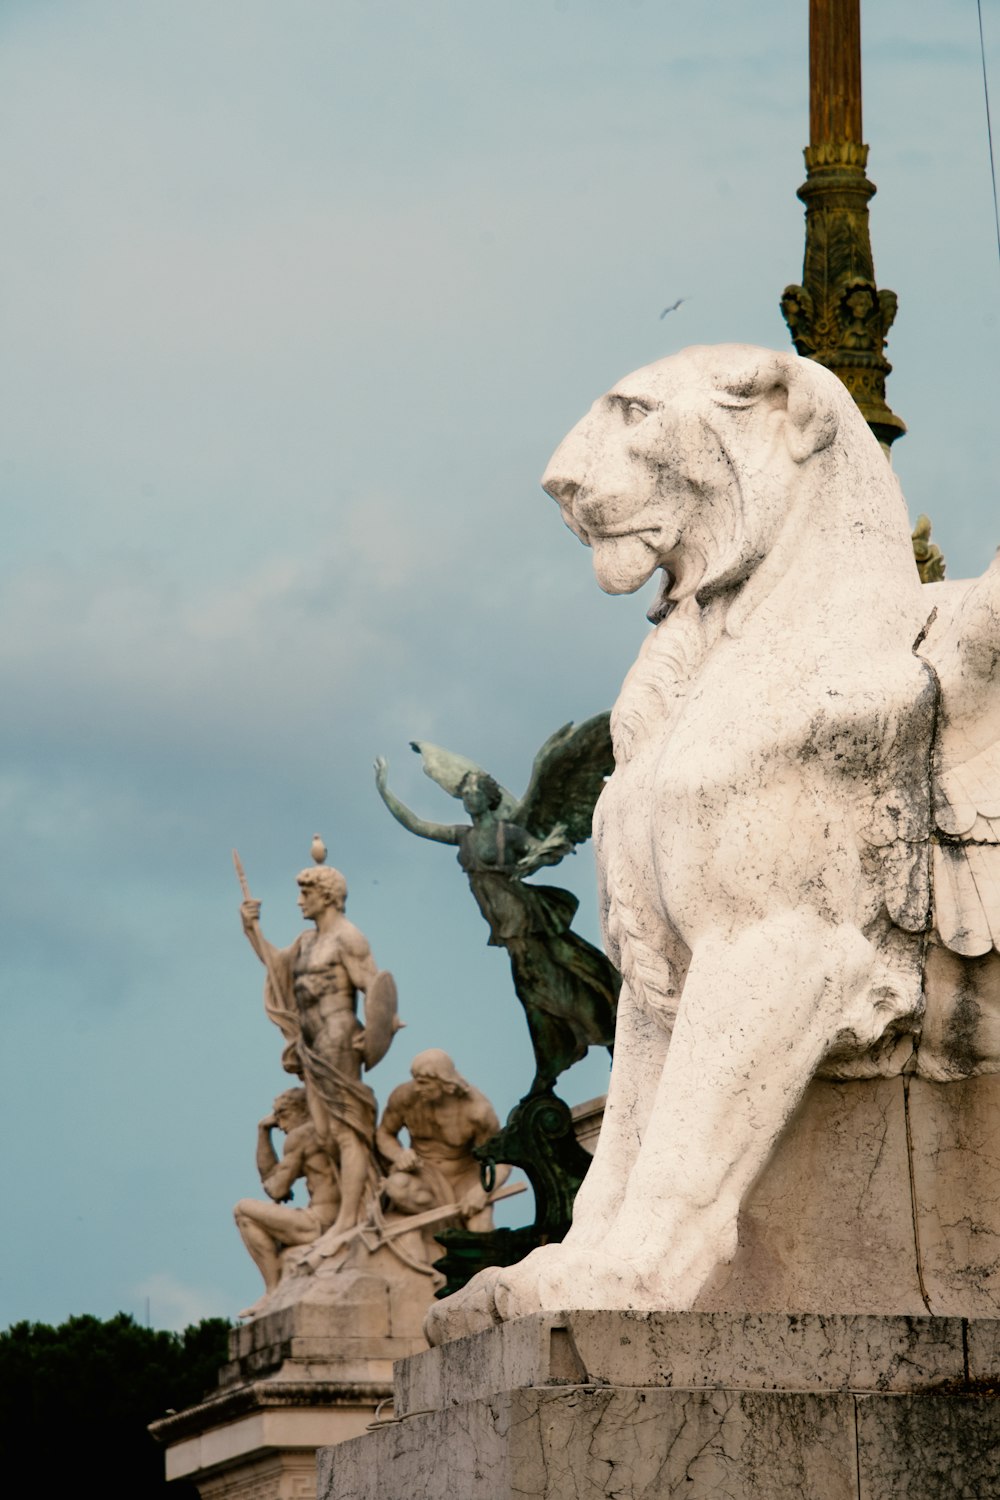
x: 955, y: 1130
x: 882, y: 1196
x: 983, y: 1351
x: 828, y: 1226
x: 937, y: 1446
x: 632, y: 1406
x: 597, y: 1442
x: 512, y: 1355
x: 361, y: 1312
x: 766, y: 1351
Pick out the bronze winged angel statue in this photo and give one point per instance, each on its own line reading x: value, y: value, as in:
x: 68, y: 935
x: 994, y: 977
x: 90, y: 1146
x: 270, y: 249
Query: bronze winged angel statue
x: 799, y: 847
x: 567, y: 986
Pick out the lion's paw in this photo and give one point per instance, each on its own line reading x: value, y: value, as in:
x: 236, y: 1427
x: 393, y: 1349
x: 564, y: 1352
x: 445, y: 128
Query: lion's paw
x: 557, y: 1278
x: 472, y: 1310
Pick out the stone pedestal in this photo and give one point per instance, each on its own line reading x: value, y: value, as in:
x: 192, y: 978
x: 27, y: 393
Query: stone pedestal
x: 882, y: 1196
x: 310, y: 1374
x: 705, y: 1406
x: 850, y: 1351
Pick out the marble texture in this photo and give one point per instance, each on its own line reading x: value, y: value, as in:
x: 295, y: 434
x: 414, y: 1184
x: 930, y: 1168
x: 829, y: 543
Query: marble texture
x: 697, y: 1351
x: 806, y: 790
x: 908, y: 1221
x: 649, y: 1406
x: 599, y: 1443
x: 829, y: 1225
x: 955, y: 1133
x: 935, y: 1446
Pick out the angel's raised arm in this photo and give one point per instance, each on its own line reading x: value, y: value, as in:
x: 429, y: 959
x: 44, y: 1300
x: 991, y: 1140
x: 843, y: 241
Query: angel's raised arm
x: 442, y: 833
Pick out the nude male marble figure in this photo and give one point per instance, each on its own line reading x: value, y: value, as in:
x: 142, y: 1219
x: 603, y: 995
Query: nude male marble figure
x: 311, y: 994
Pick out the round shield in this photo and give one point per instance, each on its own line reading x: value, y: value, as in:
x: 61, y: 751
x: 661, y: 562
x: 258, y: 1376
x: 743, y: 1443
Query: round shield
x: 381, y: 1018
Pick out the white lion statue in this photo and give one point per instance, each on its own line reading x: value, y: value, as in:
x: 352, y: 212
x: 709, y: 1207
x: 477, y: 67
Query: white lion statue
x: 798, y: 849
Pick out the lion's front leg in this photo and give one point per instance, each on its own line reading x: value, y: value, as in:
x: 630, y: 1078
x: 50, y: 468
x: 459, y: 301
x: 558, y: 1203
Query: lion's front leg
x: 759, y: 1011
x: 558, y: 1275
x: 567, y: 1274
x: 641, y: 1045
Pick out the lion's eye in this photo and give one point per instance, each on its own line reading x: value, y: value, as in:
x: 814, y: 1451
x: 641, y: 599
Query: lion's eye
x: 632, y: 412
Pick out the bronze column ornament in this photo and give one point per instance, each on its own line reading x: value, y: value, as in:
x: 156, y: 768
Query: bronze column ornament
x: 838, y: 316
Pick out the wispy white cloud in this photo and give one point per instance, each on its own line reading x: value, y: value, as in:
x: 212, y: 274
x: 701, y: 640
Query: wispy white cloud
x: 173, y: 1303
x: 293, y: 316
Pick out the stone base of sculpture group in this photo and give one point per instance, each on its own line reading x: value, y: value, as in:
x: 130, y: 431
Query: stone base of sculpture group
x: 311, y: 1373
x: 643, y: 1406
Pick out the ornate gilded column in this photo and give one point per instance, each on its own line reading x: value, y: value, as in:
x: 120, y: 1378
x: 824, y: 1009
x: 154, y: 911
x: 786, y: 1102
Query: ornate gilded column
x: 838, y: 316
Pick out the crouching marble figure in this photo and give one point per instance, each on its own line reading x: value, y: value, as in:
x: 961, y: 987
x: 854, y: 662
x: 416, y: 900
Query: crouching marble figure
x: 798, y: 849
x: 445, y: 1119
x: 270, y: 1230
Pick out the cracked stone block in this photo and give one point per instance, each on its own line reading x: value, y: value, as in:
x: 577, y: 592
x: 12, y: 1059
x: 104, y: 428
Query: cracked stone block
x: 705, y: 1406
x: 956, y: 1181
x: 595, y: 1443
x: 828, y: 1226
x: 760, y: 1351
x: 935, y: 1446
x: 984, y: 1350
x: 769, y: 1351
x: 512, y: 1355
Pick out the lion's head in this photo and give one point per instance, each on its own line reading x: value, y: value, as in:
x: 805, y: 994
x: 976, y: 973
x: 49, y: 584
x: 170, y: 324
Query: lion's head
x: 688, y: 464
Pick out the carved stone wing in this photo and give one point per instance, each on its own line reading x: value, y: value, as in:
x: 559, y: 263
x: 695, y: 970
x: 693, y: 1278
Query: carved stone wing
x: 566, y: 780
x: 964, y: 649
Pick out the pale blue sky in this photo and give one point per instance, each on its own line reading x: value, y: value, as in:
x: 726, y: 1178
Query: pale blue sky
x: 295, y: 300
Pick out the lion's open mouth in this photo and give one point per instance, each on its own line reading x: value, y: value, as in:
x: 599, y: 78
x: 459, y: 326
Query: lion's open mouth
x: 662, y: 604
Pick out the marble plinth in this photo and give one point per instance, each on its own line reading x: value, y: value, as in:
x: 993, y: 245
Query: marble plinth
x: 882, y: 1196
x: 310, y: 1374
x: 708, y: 1406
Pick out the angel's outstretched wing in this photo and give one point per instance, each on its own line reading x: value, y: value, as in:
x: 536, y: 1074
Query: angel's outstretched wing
x: 449, y: 769
x: 963, y: 647
x: 566, y: 780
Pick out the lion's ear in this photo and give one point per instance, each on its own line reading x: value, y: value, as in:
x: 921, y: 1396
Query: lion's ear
x: 801, y: 387
x: 812, y: 415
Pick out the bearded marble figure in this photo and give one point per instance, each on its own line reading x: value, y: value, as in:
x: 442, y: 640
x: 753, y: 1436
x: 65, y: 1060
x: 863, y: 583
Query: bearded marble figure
x: 799, y: 849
